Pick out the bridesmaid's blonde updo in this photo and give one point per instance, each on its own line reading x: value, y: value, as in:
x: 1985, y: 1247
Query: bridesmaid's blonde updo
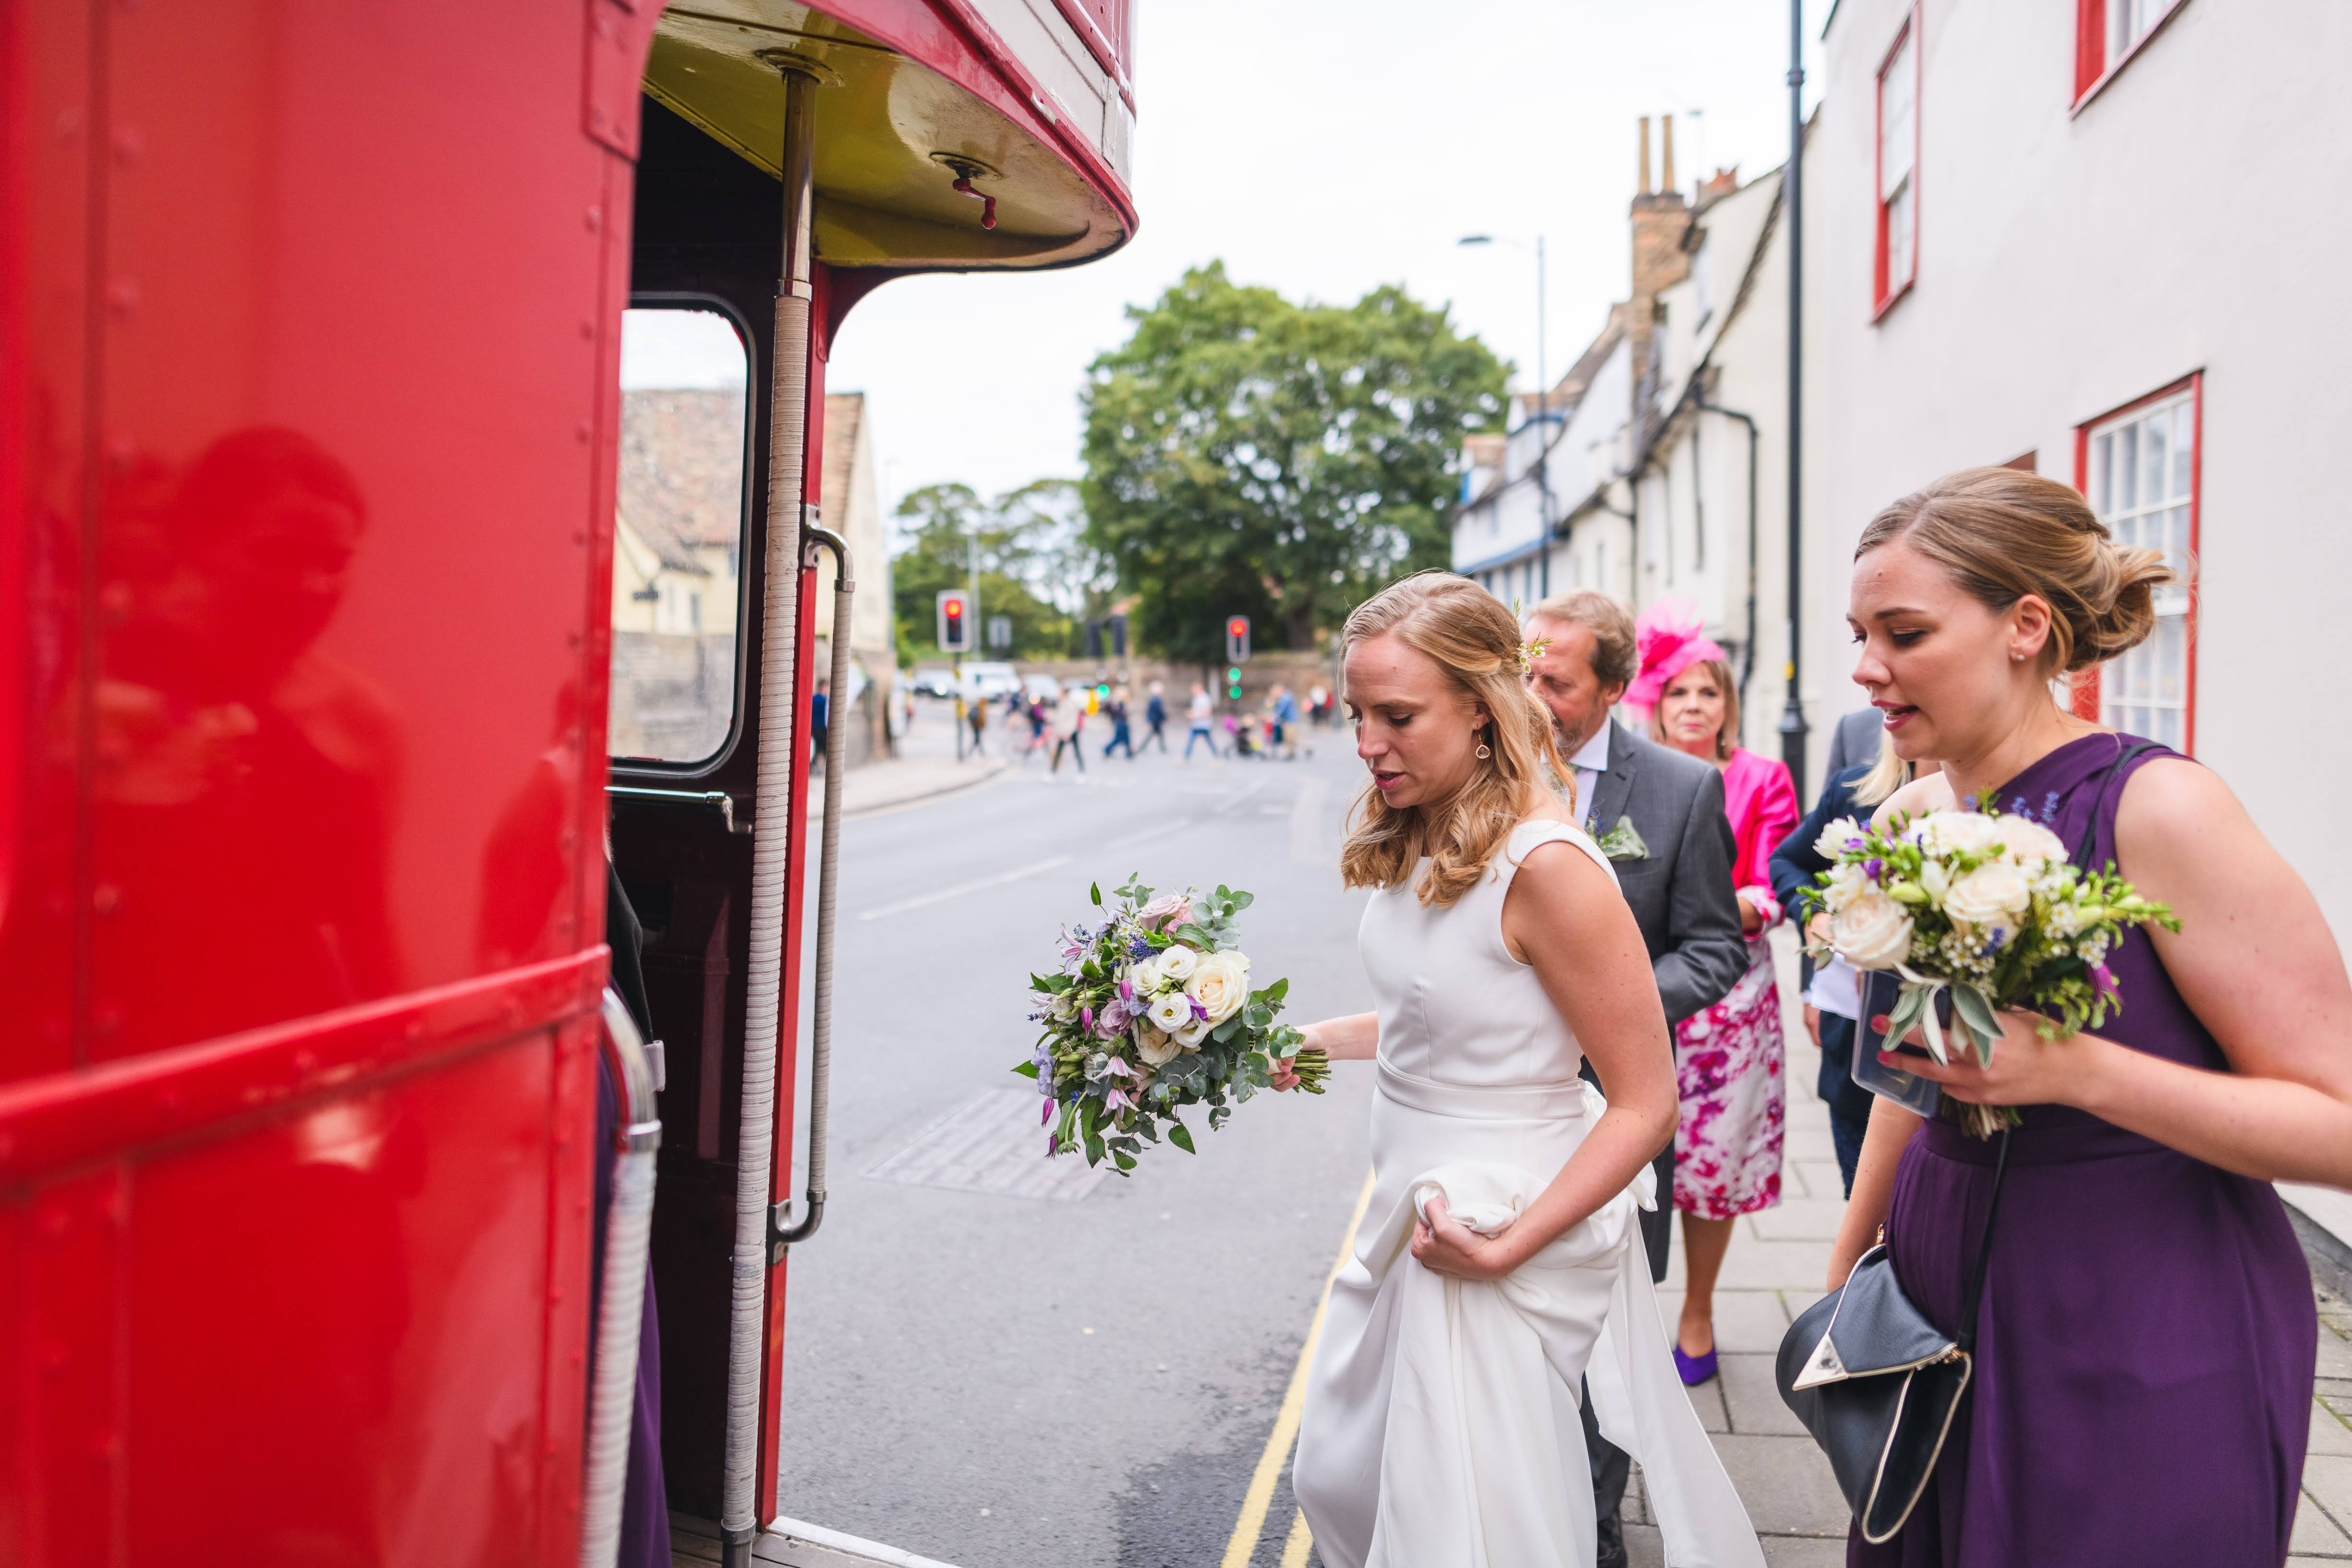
x: 1475, y: 642
x: 2004, y: 533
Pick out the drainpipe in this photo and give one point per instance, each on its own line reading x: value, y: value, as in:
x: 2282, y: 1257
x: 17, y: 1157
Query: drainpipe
x: 772, y: 824
x: 1793, y: 714
x: 1748, y: 651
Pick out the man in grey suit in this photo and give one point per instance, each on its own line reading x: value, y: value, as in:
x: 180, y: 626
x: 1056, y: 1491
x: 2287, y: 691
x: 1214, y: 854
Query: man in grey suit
x: 1659, y: 816
x: 1853, y: 742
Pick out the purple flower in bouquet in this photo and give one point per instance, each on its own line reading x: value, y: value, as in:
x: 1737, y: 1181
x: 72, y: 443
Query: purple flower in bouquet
x: 1116, y: 1017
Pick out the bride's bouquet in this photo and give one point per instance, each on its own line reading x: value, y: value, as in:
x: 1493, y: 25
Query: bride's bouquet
x: 1150, y: 1011
x: 1988, y: 908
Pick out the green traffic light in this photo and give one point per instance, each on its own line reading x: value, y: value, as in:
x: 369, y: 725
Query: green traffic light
x: 1235, y: 675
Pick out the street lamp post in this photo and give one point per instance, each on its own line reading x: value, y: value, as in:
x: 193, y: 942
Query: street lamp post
x: 1543, y: 410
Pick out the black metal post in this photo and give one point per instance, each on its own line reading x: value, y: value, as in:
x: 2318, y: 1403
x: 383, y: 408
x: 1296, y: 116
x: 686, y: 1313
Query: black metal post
x: 1792, y: 715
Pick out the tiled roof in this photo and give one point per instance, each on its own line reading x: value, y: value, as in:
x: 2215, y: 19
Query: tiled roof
x: 682, y: 469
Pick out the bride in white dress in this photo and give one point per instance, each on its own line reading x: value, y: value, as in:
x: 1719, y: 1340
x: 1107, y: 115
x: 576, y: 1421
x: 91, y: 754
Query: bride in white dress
x: 1499, y: 1265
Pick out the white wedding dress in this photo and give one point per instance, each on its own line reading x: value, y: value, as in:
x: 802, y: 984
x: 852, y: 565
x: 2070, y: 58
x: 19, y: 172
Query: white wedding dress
x: 1441, y: 1426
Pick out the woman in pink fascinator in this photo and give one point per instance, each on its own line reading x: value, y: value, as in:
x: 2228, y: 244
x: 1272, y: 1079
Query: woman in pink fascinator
x: 1728, y: 1059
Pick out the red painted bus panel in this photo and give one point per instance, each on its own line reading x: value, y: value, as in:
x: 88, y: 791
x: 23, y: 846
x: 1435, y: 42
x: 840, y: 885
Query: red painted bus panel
x: 309, y: 405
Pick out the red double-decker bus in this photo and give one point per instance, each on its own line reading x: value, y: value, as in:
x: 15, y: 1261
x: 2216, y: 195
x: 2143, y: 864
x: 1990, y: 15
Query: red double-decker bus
x: 312, y: 321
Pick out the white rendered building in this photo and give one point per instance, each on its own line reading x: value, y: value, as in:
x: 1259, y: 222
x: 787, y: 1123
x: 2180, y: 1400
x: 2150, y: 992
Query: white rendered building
x: 2081, y: 237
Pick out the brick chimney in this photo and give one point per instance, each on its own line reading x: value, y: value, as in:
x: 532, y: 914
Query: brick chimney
x: 1660, y: 219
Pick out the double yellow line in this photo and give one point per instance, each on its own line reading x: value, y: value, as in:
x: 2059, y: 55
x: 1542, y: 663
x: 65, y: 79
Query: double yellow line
x: 1260, y: 1496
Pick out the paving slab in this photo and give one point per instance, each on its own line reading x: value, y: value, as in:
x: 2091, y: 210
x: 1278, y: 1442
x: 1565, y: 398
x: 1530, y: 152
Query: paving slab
x: 1754, y: 1400
x: 2315, y: 1533
x: 1744, y: 1319
x: 2328, y: 1480
x: 2330, y: 1433
x: 1797, y: 1218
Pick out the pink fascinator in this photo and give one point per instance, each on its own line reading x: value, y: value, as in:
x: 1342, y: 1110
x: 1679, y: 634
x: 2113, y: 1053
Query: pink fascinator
x: 1671, y: 641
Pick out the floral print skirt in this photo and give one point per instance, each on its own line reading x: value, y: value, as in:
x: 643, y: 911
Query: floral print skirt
x: 1729, y: 1064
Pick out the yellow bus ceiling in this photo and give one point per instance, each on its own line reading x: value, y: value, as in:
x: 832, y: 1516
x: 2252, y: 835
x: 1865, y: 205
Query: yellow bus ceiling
x: 883, y: 198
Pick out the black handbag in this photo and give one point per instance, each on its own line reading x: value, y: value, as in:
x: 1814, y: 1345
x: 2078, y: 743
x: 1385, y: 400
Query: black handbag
x: 1877, y: 1384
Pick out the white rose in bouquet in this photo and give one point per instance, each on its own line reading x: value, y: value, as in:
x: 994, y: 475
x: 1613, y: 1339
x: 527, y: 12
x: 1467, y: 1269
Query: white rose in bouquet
x: 1993, y: 894
x: 1220, y: 983
x: 1145, y: 978
x: 2025, y: 842
x: 1171, y: 1012
x: 1961, y: 833
x: 1846, y: 883
x: 1871, y: 931
x: 1157, y: 1047
x: 1836, y: 836
x: 1190, y: 1036
x: 1178, y: 963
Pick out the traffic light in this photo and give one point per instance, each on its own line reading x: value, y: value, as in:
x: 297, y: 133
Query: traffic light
x: 1237, y: 641
x: 955, y: 621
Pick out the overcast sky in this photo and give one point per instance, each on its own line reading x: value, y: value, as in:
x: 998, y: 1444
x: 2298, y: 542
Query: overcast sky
x: 1324, y: 147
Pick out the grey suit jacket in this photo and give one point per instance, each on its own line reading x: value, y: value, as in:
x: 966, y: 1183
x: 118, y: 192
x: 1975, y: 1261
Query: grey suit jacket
x: 1855, y: 743
x: 1680, y: 895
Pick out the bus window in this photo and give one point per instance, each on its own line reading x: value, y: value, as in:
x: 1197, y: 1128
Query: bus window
x: 678, y: 539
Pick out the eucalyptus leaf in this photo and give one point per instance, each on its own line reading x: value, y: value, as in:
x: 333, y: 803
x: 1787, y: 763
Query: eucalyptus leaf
x: 1182, y: 1136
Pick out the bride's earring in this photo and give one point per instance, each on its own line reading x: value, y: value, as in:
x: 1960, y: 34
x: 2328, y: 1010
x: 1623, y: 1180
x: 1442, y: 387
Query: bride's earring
x: 1484, y: 751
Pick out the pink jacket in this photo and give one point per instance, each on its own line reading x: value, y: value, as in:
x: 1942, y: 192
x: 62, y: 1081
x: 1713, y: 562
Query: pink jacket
x: 1761, y: 801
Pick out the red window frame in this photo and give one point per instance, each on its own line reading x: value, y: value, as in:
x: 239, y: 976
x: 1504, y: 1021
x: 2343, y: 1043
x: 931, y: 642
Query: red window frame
x: 2093, y: 69
x: 2085, y: 689
x: 1885, y: 290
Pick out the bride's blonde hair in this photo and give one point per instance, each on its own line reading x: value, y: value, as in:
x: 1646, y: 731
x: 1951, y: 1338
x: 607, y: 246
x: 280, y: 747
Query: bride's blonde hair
x: 1476, y: 643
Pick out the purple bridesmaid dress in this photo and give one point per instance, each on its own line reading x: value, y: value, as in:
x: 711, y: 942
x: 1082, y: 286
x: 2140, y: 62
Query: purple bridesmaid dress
x: 2146, y: 1346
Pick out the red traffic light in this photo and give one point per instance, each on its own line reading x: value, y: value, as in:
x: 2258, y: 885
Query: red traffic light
x: 1238, y: 626
x: 955, y: 609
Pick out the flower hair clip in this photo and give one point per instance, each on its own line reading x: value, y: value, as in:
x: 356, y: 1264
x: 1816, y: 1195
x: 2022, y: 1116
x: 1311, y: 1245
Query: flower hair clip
x: 1533, y: 649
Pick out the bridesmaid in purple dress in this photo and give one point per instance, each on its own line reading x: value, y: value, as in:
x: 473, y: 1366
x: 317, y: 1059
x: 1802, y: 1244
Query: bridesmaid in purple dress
x: 2146, y: 1349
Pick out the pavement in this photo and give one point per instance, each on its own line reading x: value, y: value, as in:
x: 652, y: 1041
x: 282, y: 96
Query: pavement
x: 1096, y: 1373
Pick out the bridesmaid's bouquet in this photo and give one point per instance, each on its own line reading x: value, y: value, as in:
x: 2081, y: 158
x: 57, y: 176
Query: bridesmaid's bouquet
x: 1988, y: 909
x: 1150, y: 1011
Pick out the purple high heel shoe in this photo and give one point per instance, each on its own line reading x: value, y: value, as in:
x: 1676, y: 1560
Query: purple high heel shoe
x: 1694, y: 1369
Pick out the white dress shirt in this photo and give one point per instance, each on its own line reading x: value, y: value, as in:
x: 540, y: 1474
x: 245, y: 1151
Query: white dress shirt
x: 1591, y: 760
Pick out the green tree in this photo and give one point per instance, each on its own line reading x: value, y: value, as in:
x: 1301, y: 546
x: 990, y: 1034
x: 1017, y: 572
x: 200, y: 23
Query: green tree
x: 1248, y: 456
x: 1019, y: 542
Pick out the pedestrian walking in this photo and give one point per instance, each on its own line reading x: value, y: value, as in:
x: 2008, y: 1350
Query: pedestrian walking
x: 1069, y: 719
x: 1115, y: 711
x: 1833, y: 990
x: 1201, y: 712
x: 1658, y: 816
x: 978, y: 713
x: 1731, y: 1058
x: 1155, y: 716
x: 2143, y: 1298
x: 1037, y: 717
x: 1318, y: 704
x: 820, y: 722
x: 1285, y: 722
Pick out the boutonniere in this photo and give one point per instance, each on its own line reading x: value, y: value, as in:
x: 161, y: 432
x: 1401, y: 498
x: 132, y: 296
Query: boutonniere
x: 1623, y: 842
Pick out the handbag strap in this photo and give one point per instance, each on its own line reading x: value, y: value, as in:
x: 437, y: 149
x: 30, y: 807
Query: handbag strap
x: 1967, y: 1338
